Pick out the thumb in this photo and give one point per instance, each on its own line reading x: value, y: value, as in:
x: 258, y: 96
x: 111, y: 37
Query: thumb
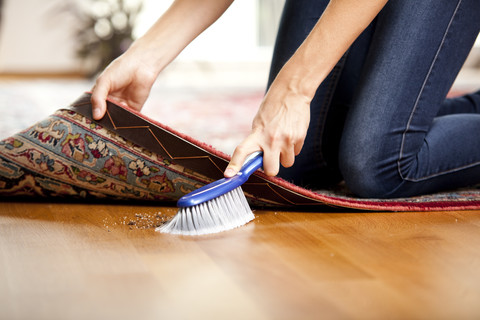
x: 99, y: 98
x: 238, y: 159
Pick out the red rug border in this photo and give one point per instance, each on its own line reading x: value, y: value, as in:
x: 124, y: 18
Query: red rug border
x: 367, y: 204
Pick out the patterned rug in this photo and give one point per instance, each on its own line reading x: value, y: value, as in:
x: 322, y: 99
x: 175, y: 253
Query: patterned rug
x: 128, y: 156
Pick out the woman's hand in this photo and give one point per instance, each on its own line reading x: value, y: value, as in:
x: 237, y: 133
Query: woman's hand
x: 279, y: 130
x: 126, y: 81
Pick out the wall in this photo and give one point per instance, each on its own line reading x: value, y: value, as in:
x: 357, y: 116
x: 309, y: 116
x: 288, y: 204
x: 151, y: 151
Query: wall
x: 34, y: 38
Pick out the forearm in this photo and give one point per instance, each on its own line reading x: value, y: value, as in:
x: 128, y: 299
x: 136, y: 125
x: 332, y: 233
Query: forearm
x: 341, y: 23
x: 176, y: 28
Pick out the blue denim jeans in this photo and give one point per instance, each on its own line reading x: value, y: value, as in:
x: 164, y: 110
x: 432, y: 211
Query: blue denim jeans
x: 381, y: 120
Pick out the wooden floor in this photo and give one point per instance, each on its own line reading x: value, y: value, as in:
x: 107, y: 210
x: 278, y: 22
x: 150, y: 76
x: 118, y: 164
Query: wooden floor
x: 105, y: 261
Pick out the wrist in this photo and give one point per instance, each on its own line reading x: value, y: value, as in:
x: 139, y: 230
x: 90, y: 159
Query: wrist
x: 149, y: 54
x: 300, y: 78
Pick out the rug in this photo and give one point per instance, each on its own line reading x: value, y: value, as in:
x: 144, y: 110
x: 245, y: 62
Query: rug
x: 127, y: 156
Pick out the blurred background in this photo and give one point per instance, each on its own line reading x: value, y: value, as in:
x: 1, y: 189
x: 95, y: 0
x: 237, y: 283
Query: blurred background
x: 51, y: 50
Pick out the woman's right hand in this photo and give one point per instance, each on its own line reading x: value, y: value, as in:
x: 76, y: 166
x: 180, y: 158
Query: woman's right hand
x: 279, y: 130
x: 127, y: 81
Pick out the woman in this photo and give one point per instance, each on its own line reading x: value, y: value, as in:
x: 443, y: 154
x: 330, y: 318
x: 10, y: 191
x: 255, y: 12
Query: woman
x: 358, y: 86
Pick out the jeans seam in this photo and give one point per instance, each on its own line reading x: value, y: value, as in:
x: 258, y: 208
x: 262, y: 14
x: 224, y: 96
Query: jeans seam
x: 470, y: 165
x: 400, y: 156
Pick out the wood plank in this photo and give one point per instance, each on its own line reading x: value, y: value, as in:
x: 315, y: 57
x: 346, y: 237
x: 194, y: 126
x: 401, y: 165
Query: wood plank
x: 79, y: 261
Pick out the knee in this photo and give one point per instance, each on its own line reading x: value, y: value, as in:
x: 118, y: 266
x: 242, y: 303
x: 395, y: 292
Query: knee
x: 363, y: 175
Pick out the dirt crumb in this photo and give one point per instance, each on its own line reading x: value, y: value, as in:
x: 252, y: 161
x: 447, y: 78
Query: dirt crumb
x: 137, y: 221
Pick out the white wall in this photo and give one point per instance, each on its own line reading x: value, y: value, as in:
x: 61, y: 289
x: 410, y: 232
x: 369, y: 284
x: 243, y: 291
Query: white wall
x: 232, y: 38
x: 34, y: 39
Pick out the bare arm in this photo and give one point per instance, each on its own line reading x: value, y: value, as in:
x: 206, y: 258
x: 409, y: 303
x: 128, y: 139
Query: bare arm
x: 342, y: 22
x: 280, y: 126
x: 129, y: 79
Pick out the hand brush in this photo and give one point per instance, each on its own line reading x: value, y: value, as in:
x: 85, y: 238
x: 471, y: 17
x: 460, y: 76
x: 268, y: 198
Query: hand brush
x: 216, y: 207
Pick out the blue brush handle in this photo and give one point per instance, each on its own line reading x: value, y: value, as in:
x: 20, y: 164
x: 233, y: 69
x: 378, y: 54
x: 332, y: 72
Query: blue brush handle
x: 222, y: 186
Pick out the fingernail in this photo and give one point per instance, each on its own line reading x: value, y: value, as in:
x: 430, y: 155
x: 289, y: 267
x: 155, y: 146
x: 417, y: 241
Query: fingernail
x: 230, y: 172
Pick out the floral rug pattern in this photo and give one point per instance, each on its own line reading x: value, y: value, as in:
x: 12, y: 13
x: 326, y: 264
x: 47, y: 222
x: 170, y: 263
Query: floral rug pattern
x: 69, y: 155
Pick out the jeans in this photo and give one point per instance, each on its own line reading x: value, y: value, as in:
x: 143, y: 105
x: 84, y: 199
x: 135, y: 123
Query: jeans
x: 381, y: 120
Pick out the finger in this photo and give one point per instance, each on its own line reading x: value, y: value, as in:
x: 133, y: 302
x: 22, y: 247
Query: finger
x: 287, y: 156
x: 271, y: 163
x: 242, y: 151
x: 99, y: 98
x: 298, y: 147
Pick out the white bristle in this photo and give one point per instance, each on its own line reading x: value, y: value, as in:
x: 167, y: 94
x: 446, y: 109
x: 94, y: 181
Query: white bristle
x: 226, y: 212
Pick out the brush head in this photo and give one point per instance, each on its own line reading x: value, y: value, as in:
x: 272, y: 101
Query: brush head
x: 228, y: 211
x: 216, y: 207
x: 222, y: 186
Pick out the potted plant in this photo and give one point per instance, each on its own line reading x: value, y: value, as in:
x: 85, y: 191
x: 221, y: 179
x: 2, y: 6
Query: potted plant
x: 105, y: 30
